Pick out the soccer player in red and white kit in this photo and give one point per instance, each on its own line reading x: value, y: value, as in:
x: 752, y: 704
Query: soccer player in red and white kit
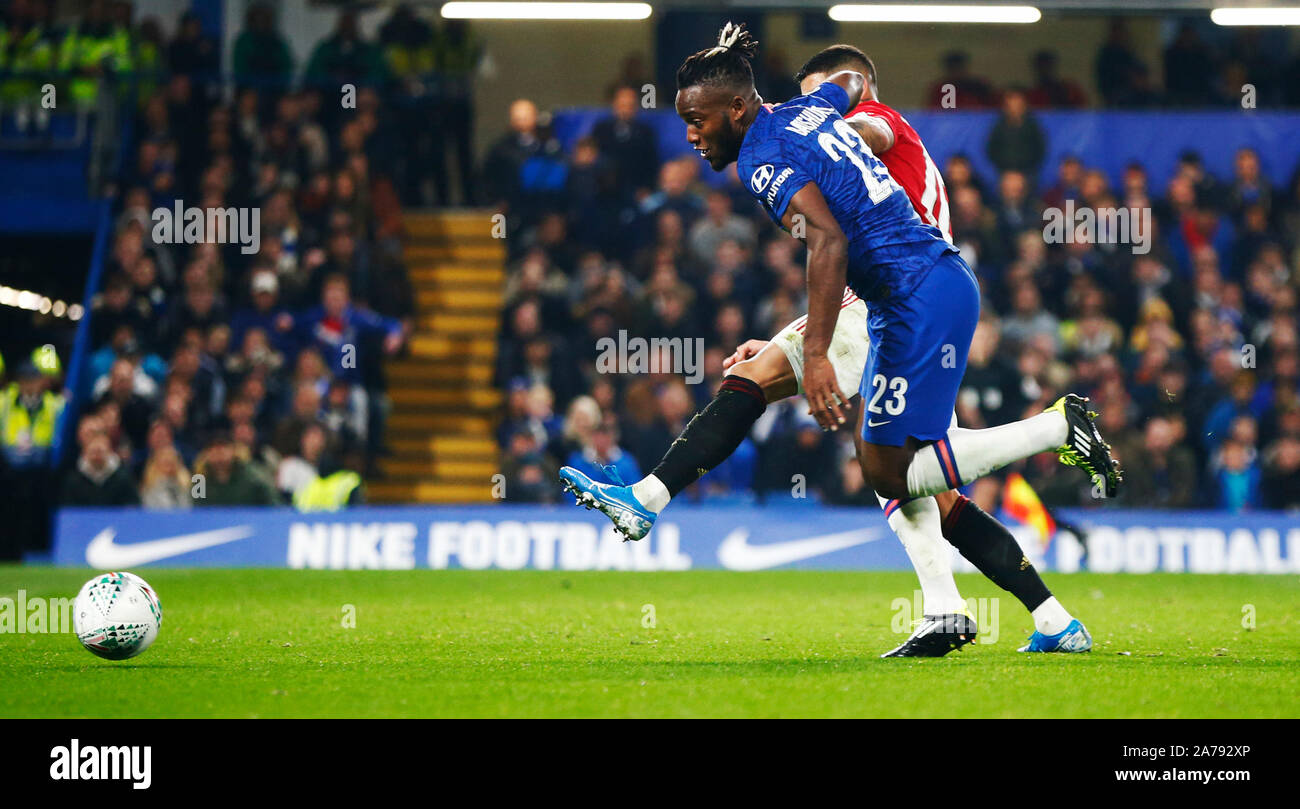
x: 776, y: 367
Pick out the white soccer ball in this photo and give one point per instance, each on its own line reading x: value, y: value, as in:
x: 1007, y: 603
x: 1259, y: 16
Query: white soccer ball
x: 116, y: 615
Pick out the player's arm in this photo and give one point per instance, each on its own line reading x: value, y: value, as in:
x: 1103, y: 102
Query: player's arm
x: 875, y: 131
x: 828, y: 258
x: 852, y: 83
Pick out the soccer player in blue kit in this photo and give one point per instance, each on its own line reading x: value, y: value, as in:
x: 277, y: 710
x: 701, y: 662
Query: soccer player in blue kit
x: 816, y: 177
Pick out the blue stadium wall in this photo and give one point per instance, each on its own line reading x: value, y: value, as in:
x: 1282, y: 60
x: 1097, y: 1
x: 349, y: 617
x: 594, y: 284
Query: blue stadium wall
x: 687, y: 537
x: 1107, y: 140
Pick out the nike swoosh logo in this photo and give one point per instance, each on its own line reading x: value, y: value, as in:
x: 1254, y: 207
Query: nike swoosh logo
x: 105, y: 554
x: 618, y: 504
x: 735, y: 552
x: 871, y: 423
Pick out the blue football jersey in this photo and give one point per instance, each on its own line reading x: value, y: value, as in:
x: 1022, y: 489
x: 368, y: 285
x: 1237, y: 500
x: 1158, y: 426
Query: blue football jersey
x: 806, y: 140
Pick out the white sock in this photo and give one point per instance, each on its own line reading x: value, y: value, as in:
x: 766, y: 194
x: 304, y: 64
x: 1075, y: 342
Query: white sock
x: 1050, y: 617
x: 651, y: 492
x: 919, y: 529
x: 965, y: 455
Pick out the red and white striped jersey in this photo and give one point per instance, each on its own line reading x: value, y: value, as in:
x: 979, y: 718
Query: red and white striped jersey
x: 910, y: 165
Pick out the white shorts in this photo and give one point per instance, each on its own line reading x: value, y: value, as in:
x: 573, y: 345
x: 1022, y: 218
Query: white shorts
x: 849, y: 345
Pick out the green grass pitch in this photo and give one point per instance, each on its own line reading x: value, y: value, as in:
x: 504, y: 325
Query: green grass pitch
x: 269, y: 643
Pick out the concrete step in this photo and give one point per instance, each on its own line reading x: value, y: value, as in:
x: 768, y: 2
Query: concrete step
x: 441, y: 468
x: 451, y: 252
x: 454, y: 347
x: 442, y: 429
x: 483, y: 399
x: 459, y: 274
x: 460, y: 225
x: 443, y: 298
x: 417, y: 424
x: 440, y: 374
x: 464, y: 447
x: 429, y: 492
x: 455, y: 324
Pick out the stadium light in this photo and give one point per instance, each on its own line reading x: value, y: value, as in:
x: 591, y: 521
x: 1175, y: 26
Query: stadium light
x: 36, y: 302
x: 872, y: 12
x: 1256, y: 16
x: 545, y: 11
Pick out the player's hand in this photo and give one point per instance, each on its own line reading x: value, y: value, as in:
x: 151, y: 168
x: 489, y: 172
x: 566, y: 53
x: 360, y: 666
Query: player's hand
x: 826, y: 402
x: 744, y: 351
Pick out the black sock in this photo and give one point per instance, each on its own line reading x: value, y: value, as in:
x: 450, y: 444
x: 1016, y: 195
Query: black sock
x: 712, y: 434
x: 987, y: 544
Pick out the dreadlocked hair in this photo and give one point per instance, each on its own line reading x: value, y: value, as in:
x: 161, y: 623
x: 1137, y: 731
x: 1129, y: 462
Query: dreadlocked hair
x: 725, y: 64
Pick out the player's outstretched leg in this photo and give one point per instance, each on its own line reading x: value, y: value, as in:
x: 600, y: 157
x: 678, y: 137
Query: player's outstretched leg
x: 1067, y: 428
x: 709, y: 438
x: 911, y: 379
x: 1084, y: 447
x: 987, y: 544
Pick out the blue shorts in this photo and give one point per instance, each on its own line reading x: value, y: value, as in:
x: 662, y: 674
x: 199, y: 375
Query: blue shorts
x: 918, y: 356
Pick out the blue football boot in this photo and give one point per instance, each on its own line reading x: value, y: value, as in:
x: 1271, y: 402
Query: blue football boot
x: 632, y: 519
x: 1074, y: 638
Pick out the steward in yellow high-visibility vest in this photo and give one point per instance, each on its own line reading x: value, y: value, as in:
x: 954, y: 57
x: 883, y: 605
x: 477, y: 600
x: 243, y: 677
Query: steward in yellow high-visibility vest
x: 407, y: 41
x: 411, y: 56
x: 29, y: 417
x: 329, y: 493
x: 27, y: 61
x: 46, y: 360
x: 90, y: 49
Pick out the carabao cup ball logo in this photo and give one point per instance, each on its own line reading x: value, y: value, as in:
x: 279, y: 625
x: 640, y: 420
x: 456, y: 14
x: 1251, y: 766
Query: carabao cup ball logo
x: 762, y: 176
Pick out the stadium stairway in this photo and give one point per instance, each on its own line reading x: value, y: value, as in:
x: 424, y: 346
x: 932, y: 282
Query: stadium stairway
x: 444, y: 407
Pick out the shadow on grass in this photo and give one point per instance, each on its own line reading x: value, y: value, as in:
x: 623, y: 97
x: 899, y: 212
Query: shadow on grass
x: 108, y: 666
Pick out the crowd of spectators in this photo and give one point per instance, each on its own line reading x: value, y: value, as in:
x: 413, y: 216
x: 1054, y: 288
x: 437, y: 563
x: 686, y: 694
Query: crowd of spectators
x: 1190, y: 351
x: 422, y: 67
x: 260, y: 371
x: 1196, y: 72
x: 236, y: 371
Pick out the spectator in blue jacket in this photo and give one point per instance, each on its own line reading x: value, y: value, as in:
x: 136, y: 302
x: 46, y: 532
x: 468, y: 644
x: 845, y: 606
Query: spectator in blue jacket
x: 341, y: 331
x: 1237, y: 477
x: 1236, y: 404
x: 265, y: 312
